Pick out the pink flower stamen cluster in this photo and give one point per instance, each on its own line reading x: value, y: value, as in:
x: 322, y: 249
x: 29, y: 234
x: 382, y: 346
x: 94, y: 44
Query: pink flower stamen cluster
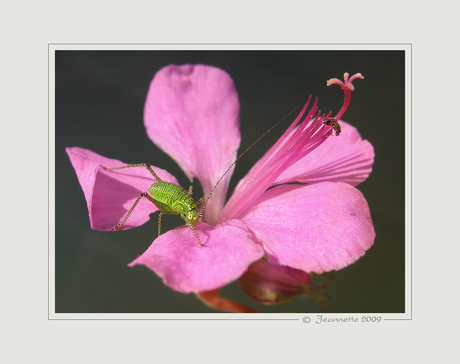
x: 294, y: 144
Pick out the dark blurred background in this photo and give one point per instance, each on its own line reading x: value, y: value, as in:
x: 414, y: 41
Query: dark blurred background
x: 100, y: 98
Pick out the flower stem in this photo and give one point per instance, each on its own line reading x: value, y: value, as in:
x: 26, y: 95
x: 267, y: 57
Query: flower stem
x: 214, y: 300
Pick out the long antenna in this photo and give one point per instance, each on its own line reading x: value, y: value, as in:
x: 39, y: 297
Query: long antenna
x: 201, y: 212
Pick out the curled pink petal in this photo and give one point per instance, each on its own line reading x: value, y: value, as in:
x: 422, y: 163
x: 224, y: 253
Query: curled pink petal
x: 110, y: 194
x: 346, y: 158
x: 192, y: 113
x: 186, y: 266
x: 315, y: 228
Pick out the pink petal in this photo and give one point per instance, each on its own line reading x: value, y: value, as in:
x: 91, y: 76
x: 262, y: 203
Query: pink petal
x: 186, y: 266
x: 110, y: 194
x: 344, y: 158
x: 315, y: 228
x: 192, y: 113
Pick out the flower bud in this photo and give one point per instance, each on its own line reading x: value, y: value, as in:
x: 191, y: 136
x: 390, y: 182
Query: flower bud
x: 271, y: 283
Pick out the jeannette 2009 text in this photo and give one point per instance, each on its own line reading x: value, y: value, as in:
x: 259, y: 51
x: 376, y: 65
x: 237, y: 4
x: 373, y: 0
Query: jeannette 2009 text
x: 320, y: 319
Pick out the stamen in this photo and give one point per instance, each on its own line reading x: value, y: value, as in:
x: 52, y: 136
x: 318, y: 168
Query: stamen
x: 305, y: 134
x: 347, y: 87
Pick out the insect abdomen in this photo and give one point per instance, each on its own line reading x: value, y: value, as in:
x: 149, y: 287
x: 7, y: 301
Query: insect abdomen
x: 173, y: 196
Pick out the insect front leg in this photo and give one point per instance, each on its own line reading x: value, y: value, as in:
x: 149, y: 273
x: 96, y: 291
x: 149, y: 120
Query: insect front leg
x: 201, y: 211
x: 197, y: 203
x: 194, y: 231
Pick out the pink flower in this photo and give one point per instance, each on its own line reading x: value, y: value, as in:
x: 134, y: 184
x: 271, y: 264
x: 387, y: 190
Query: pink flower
x: 192, y: 113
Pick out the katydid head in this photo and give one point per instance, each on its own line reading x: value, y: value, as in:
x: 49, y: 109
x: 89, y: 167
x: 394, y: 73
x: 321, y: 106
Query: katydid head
x: 193, y: 216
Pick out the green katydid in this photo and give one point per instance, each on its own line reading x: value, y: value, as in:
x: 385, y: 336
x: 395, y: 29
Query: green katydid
x: 172, y: 199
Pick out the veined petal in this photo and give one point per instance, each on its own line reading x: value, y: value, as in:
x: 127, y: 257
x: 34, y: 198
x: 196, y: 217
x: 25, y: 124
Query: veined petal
x: 192, y: 113
x: 186, y: 266
x: 345, y: 158
x: 314, y: 228
x: 110, y: 194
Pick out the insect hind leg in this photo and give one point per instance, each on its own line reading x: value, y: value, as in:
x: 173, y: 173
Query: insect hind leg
x: 159, y: 219
x: 149, y: 168
x: 145, y: 194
